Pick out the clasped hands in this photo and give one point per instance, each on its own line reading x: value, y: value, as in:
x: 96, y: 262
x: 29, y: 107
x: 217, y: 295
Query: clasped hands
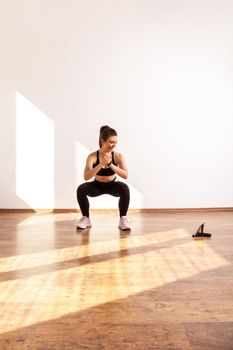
x: 106, y: 160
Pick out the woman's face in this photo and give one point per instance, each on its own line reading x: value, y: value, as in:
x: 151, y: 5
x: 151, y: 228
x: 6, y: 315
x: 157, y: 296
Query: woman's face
x: 110, y: 143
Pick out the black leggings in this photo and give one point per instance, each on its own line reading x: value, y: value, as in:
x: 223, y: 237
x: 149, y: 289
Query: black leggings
x: 96, y: 188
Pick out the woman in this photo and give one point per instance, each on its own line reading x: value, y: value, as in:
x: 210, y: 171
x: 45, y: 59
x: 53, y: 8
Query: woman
x: 104, y: 165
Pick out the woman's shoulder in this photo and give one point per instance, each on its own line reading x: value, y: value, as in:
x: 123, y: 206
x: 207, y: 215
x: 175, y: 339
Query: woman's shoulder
x: 92, y: 156
x: 118, y: 155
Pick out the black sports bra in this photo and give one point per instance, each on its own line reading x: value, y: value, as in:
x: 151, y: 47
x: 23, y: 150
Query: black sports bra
x: 104, y: 171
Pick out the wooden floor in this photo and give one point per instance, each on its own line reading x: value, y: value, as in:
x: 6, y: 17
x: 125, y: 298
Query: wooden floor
x: 154, y: 288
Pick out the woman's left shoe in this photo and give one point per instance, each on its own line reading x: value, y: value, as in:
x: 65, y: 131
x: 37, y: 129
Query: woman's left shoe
x: 124, y: 223
x: 84, y: 222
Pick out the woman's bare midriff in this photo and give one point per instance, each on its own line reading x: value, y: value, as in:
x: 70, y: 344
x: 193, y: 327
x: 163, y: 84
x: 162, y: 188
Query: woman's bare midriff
x: 105, y: 178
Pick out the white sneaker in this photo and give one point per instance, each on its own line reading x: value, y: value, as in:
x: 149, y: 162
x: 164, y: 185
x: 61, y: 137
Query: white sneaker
x: 84, y: 222
x: 124, y: 223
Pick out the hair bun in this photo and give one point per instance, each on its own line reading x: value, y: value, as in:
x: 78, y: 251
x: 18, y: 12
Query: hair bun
x: 104, y: 127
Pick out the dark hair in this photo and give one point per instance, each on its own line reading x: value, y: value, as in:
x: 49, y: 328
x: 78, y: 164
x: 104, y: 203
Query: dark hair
x: 105, y: 133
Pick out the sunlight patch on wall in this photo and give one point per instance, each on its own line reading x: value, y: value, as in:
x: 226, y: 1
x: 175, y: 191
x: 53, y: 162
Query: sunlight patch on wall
x: 103, y: 201
x: 34, y: 155
x: 81, y: 153
x: 136, y: 198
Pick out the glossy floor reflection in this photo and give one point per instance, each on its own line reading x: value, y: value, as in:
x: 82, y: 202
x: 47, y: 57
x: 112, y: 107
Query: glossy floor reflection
x: 157, y: 278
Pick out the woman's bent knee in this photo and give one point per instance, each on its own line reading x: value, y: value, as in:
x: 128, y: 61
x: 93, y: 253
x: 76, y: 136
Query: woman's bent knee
x: 123, y: 188
x: 82, y: 189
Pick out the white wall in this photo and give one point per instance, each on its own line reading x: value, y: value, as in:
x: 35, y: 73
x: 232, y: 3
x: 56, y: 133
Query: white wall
x: 159, y: 72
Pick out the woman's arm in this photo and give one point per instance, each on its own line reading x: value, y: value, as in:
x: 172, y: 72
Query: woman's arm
x: 89, y: 171
x: 121, y: 169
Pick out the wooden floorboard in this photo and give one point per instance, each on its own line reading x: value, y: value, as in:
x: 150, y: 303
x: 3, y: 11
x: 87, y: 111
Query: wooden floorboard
x: 153, y: 288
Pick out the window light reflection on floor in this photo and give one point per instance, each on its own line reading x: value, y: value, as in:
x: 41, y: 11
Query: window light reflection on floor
x: 68, y: 289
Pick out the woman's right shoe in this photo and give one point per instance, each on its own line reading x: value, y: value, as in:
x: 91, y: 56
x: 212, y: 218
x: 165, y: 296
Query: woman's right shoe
x: 124, y: 224
x: 84, y: 222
